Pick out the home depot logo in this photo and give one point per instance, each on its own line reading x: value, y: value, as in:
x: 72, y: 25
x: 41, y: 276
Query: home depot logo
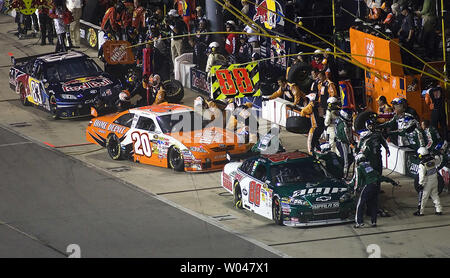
x: 370, y: 51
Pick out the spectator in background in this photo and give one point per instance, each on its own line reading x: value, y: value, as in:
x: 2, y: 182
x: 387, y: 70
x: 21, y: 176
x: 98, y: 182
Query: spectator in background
x: 57, y: 13
x: 76, y: 8
x: 46, y: 25
x: 253, y: 40
x: 331, y: 70
x: 199, y: 16
x: 201, y: 43
x: 316, y: 62
x: 186, y: 9
x: 245, y: 50
x: 406, y: 34
x: 435, y: 98
x: 429, y: 21
x: 231, y: 42
x: 177, y: 27
x: 385, y: 111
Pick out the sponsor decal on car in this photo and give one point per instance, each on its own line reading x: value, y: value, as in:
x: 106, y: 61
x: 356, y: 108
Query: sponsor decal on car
x: 323, y: 198
x: 86, y: 83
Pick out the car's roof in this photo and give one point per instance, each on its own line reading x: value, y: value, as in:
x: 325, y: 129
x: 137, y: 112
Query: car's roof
x: 50, y: 58
x: 279, y: 158
x: 160, y: 110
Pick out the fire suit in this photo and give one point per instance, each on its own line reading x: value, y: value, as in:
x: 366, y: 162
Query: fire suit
x: 428, y: 181
x: 317, y: 125
x: 344, y: 139
x: 367, y: 180
x: 330, y: 123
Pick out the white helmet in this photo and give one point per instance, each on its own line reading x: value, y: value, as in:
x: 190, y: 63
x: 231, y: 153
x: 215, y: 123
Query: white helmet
x: 311, y: 97
x: 172, y: 12
x: 318, y: 51
x: 230, y: 22
x: 422, y: 151
x: 332, y: 100
x: 214, y: 44
x: 124, y: 97
x: 346, y: 114
x: 324, y: 147
x: 360, y: 158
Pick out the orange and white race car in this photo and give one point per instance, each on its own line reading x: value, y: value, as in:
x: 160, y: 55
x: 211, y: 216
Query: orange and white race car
x: 166, y: 135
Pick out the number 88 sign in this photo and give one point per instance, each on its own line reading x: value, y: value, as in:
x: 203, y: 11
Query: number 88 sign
x: 234, y: 81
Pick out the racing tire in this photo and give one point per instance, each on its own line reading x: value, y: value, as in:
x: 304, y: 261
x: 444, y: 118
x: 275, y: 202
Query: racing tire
x: 298, y: 125
x: 113, y: 147
x: 441, y: 183
x: 22, y: 95
x: 53, y: 107
x: 238, y: 196
x: 277, y: 212
x: 176, y: 160
x: 360, y: 120
x: 174, y: 91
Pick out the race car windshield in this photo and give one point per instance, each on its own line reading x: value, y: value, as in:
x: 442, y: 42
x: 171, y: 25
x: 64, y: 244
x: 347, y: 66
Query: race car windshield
x: 184, y: 121
x: 294, y: 172
x: 75, y: 68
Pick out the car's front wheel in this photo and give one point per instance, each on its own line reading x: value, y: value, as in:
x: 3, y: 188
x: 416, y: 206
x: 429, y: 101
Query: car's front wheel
x: 53, y: 107
x: 238, y: 196
x: 176, y: 160
x: 113, y: 147
x: 277, y: 212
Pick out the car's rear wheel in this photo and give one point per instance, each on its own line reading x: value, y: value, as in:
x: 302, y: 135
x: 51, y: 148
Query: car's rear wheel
x: 176, y: 160
x: 113, y: 147
x: 23, y: 95
x: 238, y: 196
x: 53, y: 107
x: 277, y: 212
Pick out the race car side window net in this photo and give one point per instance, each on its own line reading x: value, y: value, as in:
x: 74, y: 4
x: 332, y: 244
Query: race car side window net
x: 146, y: 124
x: 125, y: 120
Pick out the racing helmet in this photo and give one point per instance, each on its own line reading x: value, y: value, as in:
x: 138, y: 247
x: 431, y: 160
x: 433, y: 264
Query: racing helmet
x: 398, y: 101
x: 131, y: 77
x: 213, y: 46
x: 333, y: 102
x: 346, y: 114
x: 154, y: 79
x: 441, y: 147
x: 422, y: 152
x: 230, y: 23
x: 325, y: 147
x: 311, y: 97
x: 360, y: 157
x: 125, y: 97
x: 370, y: 124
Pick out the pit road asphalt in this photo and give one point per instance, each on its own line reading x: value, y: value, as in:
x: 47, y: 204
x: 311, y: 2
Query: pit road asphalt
x: 49, y: 201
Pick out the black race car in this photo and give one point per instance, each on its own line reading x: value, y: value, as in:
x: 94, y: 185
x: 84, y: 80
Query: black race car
x: 67, y: 84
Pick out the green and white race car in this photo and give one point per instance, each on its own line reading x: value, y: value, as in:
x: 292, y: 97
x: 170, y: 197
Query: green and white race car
x: 293, y: 189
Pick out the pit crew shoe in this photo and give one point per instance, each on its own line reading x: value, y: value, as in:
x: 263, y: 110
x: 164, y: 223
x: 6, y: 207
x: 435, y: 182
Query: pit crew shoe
x: 438, y: 213
x: 417, y: 213
x: 358, y: 226
x: 373, y: 225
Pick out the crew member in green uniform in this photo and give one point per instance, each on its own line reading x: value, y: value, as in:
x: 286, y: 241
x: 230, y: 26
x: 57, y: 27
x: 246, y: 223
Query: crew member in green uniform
x: 344, y: 136
x: 366, y: 180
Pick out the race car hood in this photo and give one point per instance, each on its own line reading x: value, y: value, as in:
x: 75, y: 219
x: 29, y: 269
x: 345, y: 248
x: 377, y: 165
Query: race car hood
x: 332, y: 189
x: 92, y: 85
x: 211, y: 139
